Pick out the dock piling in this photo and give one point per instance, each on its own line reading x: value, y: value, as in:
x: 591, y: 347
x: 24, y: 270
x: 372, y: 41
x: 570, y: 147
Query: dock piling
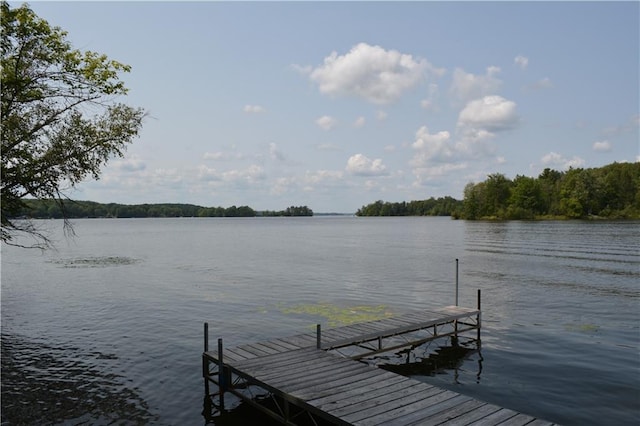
x: 205, y: 363
x: 318, y: 337
x: 222, y: 385
x: 206, y: 337
x: 456, y: 282
x: 479, y: 316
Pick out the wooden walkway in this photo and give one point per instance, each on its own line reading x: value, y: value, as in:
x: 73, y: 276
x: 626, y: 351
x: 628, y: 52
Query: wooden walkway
x: 307, y: 376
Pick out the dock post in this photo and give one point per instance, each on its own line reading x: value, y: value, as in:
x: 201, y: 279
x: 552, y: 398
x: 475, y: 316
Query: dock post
x: 205, y: 361
x: 454, y: 339
x: 479, y: 317
x: 318, y: 337
x: 222, y: 385
x: 456, y: 282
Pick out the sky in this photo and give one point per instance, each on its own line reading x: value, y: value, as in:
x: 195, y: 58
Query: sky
x: 335, y: 105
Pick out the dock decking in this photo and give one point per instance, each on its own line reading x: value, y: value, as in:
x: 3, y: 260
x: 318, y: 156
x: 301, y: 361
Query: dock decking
x: 317, y: 376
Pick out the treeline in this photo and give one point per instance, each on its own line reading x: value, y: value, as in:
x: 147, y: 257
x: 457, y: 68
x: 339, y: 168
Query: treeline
x: 444, y: 206
x: 612, y: 191
x: 49, y: 209
x: 289, y: 211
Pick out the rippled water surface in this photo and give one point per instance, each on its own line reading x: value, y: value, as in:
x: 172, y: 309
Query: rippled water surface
x: 107, y: 328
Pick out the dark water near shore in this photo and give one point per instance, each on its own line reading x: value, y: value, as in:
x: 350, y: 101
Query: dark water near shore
x: 107, y: 328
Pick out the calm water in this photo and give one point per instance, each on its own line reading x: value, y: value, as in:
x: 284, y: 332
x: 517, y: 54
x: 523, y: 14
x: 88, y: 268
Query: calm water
x: 108, y: 327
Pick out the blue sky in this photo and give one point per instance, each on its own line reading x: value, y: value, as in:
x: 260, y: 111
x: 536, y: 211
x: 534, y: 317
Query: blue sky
x: 335, y: 105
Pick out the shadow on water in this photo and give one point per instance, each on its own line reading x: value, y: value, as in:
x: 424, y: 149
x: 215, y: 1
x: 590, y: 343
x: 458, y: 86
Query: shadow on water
x: 244, y: 414
x: 42, y: 384
x: 442, y: 360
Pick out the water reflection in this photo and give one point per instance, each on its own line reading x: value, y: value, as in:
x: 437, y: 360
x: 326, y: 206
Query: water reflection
x: 243, y: 413
x: 42, y: 384
x: 424, y: 360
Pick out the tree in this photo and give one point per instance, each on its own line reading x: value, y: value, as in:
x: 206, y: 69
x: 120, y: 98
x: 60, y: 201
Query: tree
x: 525, y: 201
x: 497, y: 188
x: 471, y: 207
x: 60, y: 121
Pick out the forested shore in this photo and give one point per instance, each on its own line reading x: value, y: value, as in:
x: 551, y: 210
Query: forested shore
x: 609, y: 192
x: 52, y: 209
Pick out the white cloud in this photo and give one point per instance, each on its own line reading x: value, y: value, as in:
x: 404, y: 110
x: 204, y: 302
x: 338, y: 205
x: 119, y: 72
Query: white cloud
x: 308, y: 182
x: 556, y: 160
x: 521, y: 61
x: 602, y: 146
x: 429, y: 173
x: 360, y: 121
x: 371, y: 72
x: 381, y: 115
x: 225, y: 155
x: 275, y: 153
x: 435, y: 155
x: 306, y: 69
x: 481, y: 118
x: 429, y: 147
x: 630, y: 125
x: 328, y: 147
x: 253, y: 109
x: 466, y: 86
x: 362, y: 166
x: 321, y: 176
x: 432, y: 95
x: 214, y: 155
x: 208, y: 174
x: 252, y: 174
x: 541, y: 84
x: 132, y: 164
x: 371, y: 185
x: 326, y: 122
x: 283, y: 185
x: 165, y: 177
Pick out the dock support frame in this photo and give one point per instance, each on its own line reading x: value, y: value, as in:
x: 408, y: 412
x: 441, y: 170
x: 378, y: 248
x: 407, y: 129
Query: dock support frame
x: 287, y: 410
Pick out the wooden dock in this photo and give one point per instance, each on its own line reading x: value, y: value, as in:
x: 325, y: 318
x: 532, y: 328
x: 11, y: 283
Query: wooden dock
x: 317, y: 378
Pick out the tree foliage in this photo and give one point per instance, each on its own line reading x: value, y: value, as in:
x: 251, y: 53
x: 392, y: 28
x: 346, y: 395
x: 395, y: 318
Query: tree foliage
x: 290, y: 211
x: 612, y: 191
x: 60, y: 119
x: 444, y: 206
x: 50, y: 209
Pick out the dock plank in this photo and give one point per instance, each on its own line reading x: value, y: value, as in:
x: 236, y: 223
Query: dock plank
x: 286, y: 344
x: 364, y: 406
x: 425, y: 411
x: 393, y: 409
x: 498, y: 417
x: 339, y: 395
x: 299, y: 369
x: 518, y: 420
x: 450, y: 414
x: 474, y: 415
x: 326, y: 377
x: 317, y: 391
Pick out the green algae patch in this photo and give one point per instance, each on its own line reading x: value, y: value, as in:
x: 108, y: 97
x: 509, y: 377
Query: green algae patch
x: 337, y: 315
x: 95, y: 262
x: 582, y: 328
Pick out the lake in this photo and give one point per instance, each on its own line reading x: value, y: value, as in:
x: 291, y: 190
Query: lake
x: 107, y: 328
